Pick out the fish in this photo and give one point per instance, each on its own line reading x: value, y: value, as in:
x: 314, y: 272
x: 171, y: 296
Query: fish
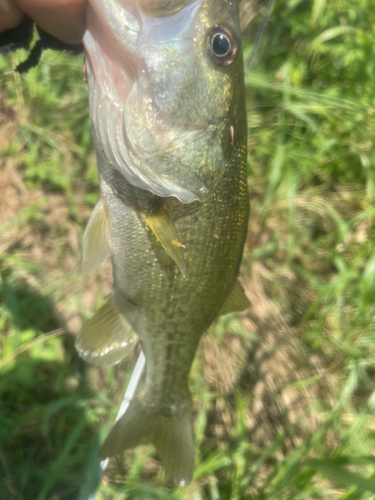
x: 167, y: 102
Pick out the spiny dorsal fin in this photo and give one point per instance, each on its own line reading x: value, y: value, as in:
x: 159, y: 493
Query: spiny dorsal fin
x: 107, y: 337
x: 96, y: 246
x: 165, y: 231
x: 236, y: 301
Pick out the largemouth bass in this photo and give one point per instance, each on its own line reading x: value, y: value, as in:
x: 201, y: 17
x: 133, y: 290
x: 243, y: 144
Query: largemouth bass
x: 167, y: 103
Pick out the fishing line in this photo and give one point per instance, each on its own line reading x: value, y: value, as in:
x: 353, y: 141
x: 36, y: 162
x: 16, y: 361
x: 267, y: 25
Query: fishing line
x: 128, y: 396
x: 266, y: 19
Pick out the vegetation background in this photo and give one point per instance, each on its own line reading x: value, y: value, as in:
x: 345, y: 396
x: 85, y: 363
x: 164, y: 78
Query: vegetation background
x: 284, y: 393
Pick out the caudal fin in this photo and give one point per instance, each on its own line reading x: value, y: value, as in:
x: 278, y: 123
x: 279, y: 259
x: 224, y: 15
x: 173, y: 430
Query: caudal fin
x: 172, y: 436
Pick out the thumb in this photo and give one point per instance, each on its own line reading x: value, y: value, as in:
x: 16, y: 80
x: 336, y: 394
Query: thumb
x: 63, y: 19
x: 10, y: 15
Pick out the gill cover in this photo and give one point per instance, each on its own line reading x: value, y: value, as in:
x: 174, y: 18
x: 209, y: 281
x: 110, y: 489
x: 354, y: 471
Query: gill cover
x: 159, y: 106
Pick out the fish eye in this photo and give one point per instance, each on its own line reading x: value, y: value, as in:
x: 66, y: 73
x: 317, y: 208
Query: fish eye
x: 222, y: 46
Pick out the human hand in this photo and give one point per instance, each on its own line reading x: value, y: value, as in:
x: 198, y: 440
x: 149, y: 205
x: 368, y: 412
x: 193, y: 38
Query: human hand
x: 63, y: 19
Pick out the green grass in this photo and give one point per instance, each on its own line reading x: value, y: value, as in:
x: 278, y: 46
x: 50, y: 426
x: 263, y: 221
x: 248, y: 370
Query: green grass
x: 284, y: 394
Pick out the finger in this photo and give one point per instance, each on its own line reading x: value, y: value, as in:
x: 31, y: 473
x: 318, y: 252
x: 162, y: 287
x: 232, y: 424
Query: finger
x: 10, y: 15
x: 63, y: 19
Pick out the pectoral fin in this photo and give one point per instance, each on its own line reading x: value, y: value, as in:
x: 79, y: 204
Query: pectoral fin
x: 106, y: 338
x: 96, y: 247
x: 236, y: 301
x: 165, y: 231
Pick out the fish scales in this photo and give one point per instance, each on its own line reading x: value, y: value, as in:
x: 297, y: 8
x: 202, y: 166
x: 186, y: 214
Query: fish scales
x: 170, y: 312
x: 167, y: 101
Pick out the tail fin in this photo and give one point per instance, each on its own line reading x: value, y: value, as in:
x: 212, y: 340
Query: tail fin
x: 172, y: 436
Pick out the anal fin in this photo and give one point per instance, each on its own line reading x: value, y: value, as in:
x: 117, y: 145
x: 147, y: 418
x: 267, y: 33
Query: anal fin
x: 236, y: 301
x: 106, y: 338
x: 96, y: 246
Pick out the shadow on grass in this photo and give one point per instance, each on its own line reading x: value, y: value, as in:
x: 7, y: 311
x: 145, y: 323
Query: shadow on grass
x: 47, y: 426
